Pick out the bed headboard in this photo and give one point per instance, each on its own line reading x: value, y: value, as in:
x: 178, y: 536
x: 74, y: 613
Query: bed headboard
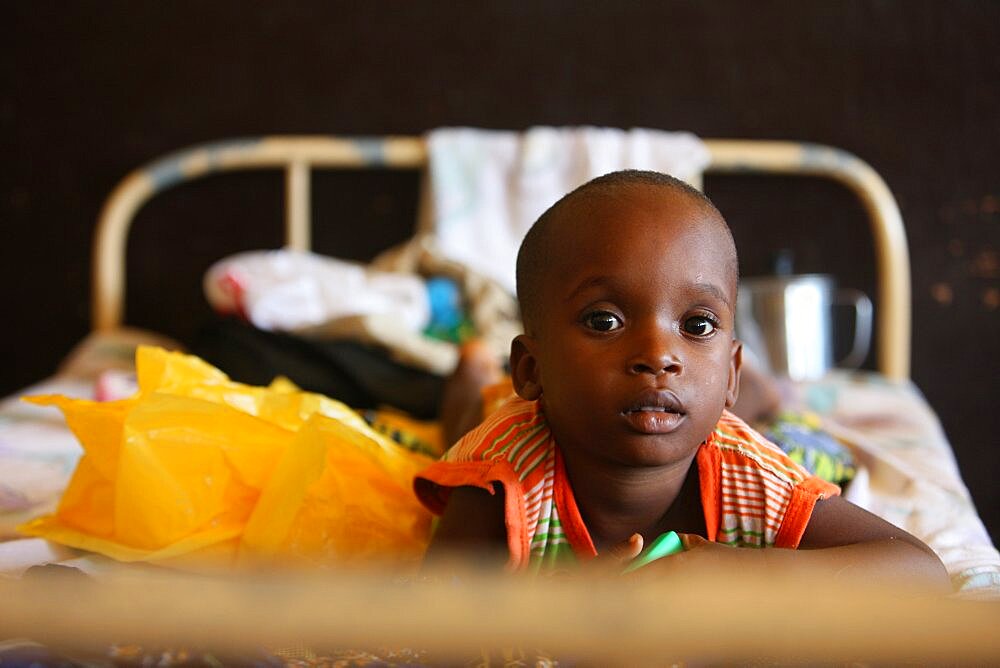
x: 299, y: 155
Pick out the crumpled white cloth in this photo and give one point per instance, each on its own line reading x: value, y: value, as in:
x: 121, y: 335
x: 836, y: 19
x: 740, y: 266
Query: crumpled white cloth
x: 295, y: 291
x: 487, y: 187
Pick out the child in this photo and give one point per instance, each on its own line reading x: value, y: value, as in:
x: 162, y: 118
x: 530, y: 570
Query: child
x: 619, y: 431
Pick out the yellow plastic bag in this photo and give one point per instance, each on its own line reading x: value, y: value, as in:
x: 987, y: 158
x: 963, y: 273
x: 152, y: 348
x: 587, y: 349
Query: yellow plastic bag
x: 196, y: 465
x: 338, y: 495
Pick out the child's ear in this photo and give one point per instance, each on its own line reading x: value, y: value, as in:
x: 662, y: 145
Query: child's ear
x: 735, y: 364
x: 524, y: 370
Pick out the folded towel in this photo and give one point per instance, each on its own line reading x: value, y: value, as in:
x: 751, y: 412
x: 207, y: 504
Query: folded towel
x: 487, y: 187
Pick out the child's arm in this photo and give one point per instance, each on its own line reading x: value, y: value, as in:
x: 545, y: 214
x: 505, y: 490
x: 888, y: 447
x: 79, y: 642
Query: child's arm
x: 844, y: 541
x: 841, y: 539
x: 867, y: 546
x: 473, y: 522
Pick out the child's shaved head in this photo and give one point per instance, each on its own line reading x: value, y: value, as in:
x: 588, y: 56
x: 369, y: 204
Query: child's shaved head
x: 541, y: 243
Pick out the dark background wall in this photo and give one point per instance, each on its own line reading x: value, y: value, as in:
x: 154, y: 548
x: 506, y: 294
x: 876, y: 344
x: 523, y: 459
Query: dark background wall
x: 90, y: 90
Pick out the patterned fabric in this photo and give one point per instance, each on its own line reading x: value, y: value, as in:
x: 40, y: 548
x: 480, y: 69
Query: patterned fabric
x: 801, y: 436
x: 752, y: 494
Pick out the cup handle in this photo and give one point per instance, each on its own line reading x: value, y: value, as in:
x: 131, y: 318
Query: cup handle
x: 862, y: 325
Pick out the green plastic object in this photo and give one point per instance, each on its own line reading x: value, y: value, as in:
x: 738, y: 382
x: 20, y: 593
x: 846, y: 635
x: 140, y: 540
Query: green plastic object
x: 664, y: 545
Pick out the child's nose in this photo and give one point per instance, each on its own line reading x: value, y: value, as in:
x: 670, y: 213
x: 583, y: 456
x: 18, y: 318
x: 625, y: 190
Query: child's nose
x: 656, y: 356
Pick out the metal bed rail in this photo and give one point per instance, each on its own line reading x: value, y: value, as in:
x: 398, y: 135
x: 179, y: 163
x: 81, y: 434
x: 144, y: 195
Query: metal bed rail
x: 299, y: 155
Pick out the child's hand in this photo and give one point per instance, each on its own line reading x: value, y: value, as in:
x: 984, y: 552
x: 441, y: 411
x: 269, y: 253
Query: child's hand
x: 693, y: 541
x: 698, y: 553
x: 701, y: 551
x: 627, y: 550
x: 614, y: 559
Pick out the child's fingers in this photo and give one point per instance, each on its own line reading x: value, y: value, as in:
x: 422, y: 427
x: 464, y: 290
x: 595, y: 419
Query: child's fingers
x: 628, y: 549
x: 691, y: 540
x: 699, y: 550
x: 611, y: 560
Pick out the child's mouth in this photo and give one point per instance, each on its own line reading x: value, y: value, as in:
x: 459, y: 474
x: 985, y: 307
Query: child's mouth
x: 655, y: 412
x: 653, y: 420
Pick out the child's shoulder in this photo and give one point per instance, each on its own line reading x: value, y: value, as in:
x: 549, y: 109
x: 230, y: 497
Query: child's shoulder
x: 514, y: 423
x: 739, y: 445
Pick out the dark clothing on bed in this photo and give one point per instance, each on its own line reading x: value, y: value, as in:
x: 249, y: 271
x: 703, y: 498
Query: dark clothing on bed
x: 359, y: 375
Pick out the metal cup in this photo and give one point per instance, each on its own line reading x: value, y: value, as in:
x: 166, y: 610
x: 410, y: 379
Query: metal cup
x: 788, y: 322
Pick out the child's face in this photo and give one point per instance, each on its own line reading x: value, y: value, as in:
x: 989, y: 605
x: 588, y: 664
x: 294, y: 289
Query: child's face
x: 633, y: 356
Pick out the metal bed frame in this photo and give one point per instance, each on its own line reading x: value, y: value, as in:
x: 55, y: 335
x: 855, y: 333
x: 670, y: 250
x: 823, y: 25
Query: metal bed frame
x: 299, y: 155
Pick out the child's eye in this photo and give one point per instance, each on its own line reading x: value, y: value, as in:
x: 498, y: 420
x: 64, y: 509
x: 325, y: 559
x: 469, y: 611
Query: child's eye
x: 602, y: 321
x: 699, y: 325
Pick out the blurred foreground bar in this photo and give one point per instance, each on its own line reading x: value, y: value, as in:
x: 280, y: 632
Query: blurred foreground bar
x: 710, y: 619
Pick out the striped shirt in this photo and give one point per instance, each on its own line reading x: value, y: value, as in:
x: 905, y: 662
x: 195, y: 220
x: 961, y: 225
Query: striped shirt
x: 752, y: 494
